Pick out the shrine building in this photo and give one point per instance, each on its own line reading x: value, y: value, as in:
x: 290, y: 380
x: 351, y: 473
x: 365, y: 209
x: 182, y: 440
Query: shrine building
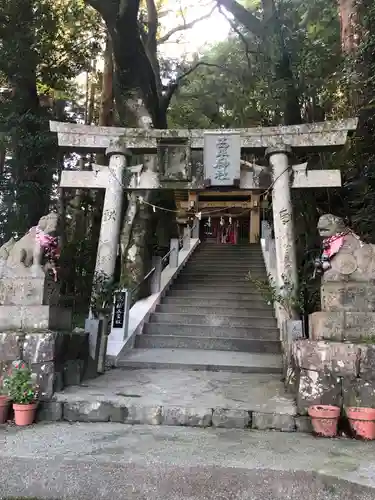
x: 227, y: 216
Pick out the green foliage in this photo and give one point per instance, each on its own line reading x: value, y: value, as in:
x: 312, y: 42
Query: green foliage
x: 19, y: 384
x: 241, y: 86
x: 44, y: 44
x: 103, y: 288
x: 357, y: 200
x: 62, y: 36
x: 290, y: 299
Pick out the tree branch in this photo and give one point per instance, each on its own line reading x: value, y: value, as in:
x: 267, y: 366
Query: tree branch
x: 150, y: 42
x: 167, y: 97
x: 241, y: 36
x: 152, y: 22
x: 104, y: 7
x: 269, y: 9
x: 185, y: 26
x: 244, y: 16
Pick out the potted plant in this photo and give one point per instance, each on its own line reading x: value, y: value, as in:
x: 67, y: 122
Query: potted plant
x: 362, y: 421
x: 23, y: 393
x: 324, y: 419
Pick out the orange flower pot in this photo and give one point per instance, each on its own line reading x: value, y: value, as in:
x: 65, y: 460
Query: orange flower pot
x: 324, y: 419
x: 24, y: 414
x: 362, y: 422
x: 4, y: 409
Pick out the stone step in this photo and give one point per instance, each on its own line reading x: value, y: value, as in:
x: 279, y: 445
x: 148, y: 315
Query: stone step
x: 229, y: 253
x: 236, y: 266
x: 224, y: 266
x: 249, y: 247
x: 197, y: 330
x: 210, y: 251
x: 209, y: 343
x: 230, y: 286
x: 205, y: 296
x: 196, y: 285
x: 222, y: 258
x: 227, y: 259
x: 179, y: 398
x: 224, y: 250
x: 221, y: 302
x: 226, y: 280
x: 208, y: 287
x: 218, y: 319
x: 200, y: 359
x: 244, y: 312
x: 223, y: 270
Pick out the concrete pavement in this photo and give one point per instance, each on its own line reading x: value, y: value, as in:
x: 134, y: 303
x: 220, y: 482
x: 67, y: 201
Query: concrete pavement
x: 86, y: 461
x: 179, y: 397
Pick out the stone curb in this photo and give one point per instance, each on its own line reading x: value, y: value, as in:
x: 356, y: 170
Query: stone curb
x: 104, y: 411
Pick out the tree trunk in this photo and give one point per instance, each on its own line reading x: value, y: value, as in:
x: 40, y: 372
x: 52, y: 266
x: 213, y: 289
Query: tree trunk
x: 31, y: 167
x: 138, y: 228
x: 106, y: 99
x: 136, y: 84
x: 106, y: 107
x: 348, y: 25
x: 92, y: 94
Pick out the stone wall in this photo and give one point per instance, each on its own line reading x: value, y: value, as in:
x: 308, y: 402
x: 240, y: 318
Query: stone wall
x: 58, y: 359
x: 335, y: 373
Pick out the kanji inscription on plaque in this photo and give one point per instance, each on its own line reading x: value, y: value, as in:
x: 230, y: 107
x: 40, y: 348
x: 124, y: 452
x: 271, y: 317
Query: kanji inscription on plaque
x: 222, y: 155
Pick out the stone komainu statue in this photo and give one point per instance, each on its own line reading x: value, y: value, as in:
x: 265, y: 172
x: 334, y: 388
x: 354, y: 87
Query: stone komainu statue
x: 344, y: 256
x: 28, y: 252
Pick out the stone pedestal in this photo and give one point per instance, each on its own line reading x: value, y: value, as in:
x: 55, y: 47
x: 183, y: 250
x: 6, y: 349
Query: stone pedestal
x: 342, y: 326
x: 348, y: 296
x: 30, y: 302
x: 21, y: 290
x: 347, y: 293
x: 35, y: 318
x: 57, y: 359
x: 337, y: 366
x: 334, y: 373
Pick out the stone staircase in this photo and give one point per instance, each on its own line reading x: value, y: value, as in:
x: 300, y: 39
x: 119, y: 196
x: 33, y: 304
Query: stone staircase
x: 209, y: 357
x: 212, y: 318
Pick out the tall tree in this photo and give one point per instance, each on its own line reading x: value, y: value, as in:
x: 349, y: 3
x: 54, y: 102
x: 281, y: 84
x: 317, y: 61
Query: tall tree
x: 43, y: 45
x: 142, y: 101
x: 270, y: 29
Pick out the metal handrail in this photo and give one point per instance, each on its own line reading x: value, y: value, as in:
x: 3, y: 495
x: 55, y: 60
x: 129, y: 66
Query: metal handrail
x: 166, y: 256
x: 193, y: 226
x: 150, y: 273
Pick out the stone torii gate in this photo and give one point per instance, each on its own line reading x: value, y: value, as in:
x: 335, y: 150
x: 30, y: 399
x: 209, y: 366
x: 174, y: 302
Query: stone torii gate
x: 178, y: 168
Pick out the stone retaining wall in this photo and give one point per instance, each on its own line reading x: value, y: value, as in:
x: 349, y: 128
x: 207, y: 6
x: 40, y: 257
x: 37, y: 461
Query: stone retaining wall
x: 104, y: 411
x: 335, y: 373
x: 59, y: 359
